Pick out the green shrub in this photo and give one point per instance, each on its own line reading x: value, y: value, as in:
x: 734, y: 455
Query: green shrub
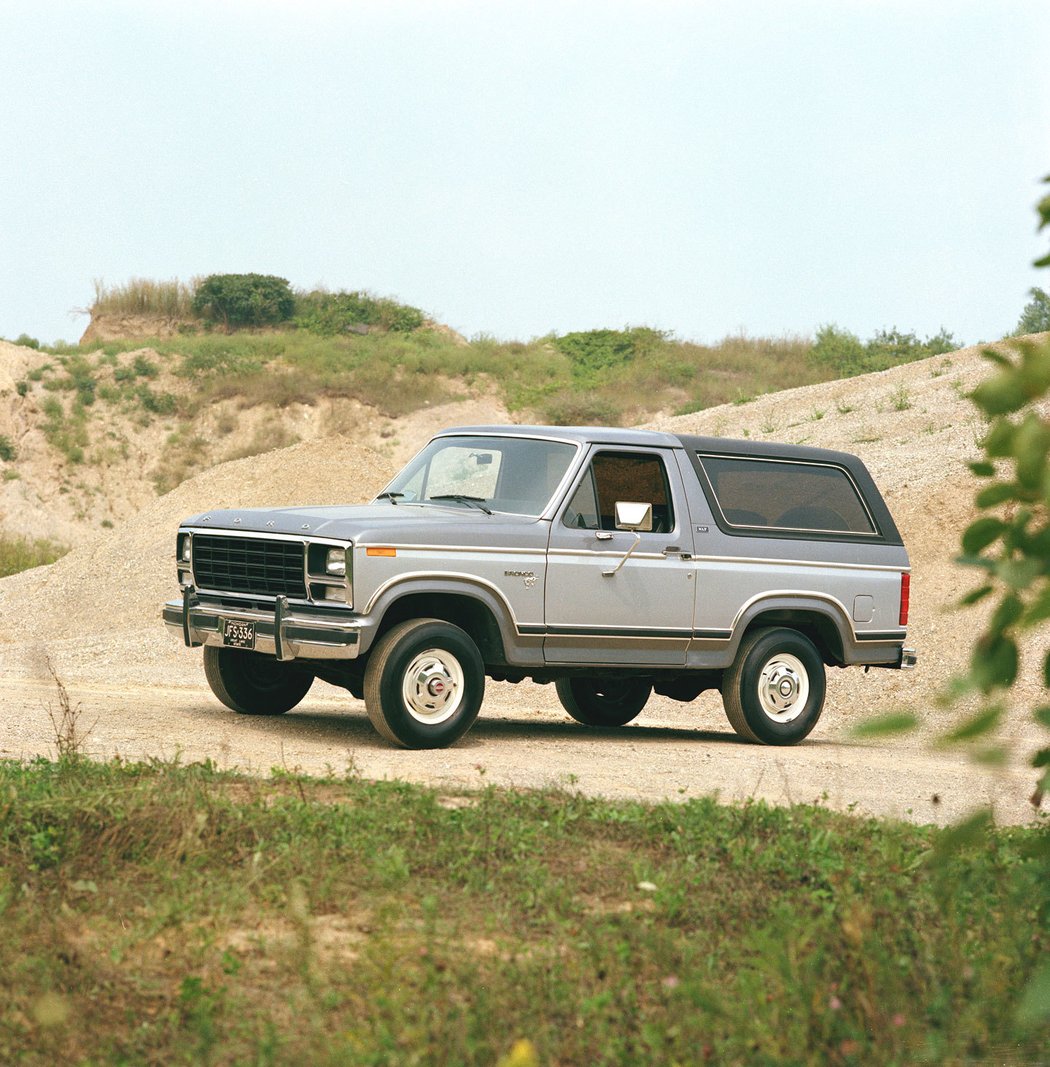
x: 7, y: 448
x: 342, y: 312
x: 1036, y: 315
x: 238, y: 300
x: 26, y: 341
x: 23, y: 553
x: 592, y: 351
x: 839, y: 349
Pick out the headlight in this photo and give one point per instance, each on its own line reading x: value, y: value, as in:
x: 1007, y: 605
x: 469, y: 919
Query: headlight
x: 184, y: 548
x: 335, y: 592
x: 335, y: 561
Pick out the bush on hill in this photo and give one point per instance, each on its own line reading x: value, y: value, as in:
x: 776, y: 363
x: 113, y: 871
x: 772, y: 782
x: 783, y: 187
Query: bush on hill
x: 238, y: 300
x: 1036, y: 315
x: 342, y: 312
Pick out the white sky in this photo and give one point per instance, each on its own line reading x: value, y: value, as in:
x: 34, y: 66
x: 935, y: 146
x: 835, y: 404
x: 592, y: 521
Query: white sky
x: 516, y: 168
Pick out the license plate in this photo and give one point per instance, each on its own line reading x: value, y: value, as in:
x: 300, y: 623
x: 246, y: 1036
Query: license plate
x: 238, y: 634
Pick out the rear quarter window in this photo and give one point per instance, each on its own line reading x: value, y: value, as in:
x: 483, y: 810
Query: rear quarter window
x: 767, y: 494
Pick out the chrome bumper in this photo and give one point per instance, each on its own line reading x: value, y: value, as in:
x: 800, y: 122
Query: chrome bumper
x: 909, y: 659
x: 283, y: 634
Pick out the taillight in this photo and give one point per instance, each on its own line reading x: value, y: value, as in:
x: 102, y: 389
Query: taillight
x: 905, y: 597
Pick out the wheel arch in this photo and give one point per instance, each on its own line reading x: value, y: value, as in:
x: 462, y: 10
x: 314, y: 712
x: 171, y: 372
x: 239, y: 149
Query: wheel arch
x: 472, y: 607
x: 823, y: 621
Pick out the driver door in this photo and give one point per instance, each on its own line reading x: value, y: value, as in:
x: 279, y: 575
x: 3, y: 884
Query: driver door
x: 640, y: 613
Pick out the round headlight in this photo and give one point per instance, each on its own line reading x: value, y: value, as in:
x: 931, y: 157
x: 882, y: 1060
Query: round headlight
x: 335, y: 561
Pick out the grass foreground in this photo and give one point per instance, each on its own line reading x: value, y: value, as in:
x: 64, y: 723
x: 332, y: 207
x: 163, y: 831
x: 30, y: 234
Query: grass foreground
x: 159, y: 913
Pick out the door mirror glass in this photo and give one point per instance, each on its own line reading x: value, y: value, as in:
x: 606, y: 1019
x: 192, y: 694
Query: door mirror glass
x: 634, y: 516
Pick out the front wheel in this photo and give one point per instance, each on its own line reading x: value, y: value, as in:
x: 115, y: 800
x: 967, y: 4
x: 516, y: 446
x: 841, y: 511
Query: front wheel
x: 774, y: 691
x: 253, y: 684
x: 603, y: 702
x: 424, y: 684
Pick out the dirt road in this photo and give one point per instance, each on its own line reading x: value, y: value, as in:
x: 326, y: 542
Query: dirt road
x: 523, y: 739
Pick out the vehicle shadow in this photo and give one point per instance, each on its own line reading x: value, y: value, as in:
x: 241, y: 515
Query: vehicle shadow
x: 351, y: 726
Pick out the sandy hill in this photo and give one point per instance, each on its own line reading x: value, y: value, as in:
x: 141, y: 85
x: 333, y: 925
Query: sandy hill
x: 126, y: 450
x: 912, y: 425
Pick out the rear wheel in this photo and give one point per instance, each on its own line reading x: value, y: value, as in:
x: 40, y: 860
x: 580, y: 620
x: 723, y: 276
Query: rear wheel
x: 774, y: 691
x: 424, y: 684
x: 253, y: 684
x: 603, y: 702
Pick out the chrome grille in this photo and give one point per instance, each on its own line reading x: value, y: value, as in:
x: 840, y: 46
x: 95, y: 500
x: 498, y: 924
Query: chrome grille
x: 268, y: 567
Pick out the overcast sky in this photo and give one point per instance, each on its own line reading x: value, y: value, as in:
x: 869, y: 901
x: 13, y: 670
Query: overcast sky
x: 517, y: 168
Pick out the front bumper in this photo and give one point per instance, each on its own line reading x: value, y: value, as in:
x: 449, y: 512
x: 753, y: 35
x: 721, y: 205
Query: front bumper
x: 286, y: 633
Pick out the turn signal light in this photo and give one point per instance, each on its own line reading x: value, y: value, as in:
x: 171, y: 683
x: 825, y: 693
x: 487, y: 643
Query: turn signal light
x: 380, y: 550
x: 905, y: 598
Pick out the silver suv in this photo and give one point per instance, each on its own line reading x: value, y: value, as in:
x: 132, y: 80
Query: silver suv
x: 613, y: 563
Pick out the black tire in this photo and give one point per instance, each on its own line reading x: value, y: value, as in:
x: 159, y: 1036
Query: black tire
x: 253, y: 684
x: 774, y: 691
x: 424, y: 684
x: 603, y: 702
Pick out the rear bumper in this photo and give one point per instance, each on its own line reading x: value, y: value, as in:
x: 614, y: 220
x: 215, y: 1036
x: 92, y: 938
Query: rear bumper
x: 909, y: 659
x: 285, y: 633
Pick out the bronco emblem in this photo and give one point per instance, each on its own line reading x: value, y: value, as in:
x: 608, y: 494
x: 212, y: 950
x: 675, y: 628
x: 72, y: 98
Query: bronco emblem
x: 528, y: 576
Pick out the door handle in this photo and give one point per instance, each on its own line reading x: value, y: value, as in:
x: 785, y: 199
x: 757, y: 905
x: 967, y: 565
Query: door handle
x: 675, y: 550
x: 603, y: 535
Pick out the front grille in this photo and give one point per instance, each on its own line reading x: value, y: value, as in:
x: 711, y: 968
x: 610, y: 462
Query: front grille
x: 248, y: 565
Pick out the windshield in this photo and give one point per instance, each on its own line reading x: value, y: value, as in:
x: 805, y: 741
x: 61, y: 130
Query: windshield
x: 513, y: 474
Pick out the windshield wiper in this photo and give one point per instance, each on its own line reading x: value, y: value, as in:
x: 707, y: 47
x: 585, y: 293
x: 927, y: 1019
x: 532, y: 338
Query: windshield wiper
x: 392, y: 497
x: 475, y: 501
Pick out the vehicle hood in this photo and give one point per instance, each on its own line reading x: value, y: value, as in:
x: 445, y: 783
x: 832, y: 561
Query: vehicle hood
x: 391, y: 523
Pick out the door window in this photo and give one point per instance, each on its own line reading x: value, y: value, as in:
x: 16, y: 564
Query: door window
x: 633, y: 476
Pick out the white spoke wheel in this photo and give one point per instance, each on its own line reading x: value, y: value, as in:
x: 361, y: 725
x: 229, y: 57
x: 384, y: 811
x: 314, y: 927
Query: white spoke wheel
x: 603, y: 701
x: 254, y: 684
x: 424, y: 684
x: 774, y: 691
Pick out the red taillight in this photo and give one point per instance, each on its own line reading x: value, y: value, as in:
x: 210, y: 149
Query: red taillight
x: 905, y: 597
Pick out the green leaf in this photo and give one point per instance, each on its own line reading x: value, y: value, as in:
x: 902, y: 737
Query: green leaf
x: 1041, y: 758
x: 886, y: 725
x: 980, y: 534
x: 992, y: 756
x: 1009, y: 610
x: 1018, y: 573
x: 983, y: 469
x: 962, y: 835
x: 1038, y: 609
x: 996, y: 493
x: 1034, y: 1007
x: 1042, y: 715
x: 994, y: 662
x: 974, y: 595
x: 1002, y: 394
x: 999, y: 441
x: 977, y: 725
x: 1031, y: 445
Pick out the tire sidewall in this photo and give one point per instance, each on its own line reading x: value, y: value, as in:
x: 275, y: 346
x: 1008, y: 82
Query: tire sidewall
x: 408, y: 730
x: 766, y: 729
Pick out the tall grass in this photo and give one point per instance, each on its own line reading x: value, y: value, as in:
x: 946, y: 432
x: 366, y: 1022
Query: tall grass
x: 142, y: 296
x: 174, y: 914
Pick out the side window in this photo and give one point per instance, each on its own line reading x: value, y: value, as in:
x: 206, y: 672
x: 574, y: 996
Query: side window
x: 613, y: 476
x: 780, y: 495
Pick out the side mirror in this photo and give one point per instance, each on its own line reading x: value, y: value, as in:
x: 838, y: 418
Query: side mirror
x: 633, y: 516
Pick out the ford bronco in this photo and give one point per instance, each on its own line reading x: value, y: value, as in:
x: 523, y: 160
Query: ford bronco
x: 613, y: 563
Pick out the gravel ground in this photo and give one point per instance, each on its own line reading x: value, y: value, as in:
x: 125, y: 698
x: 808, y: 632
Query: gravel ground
x: 96, y: 614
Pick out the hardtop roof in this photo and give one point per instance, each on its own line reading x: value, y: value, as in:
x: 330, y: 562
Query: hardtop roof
x: 611, y: 435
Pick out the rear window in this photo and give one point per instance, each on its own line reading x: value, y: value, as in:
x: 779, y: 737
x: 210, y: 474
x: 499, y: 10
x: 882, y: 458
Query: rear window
x: 781, y: 495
